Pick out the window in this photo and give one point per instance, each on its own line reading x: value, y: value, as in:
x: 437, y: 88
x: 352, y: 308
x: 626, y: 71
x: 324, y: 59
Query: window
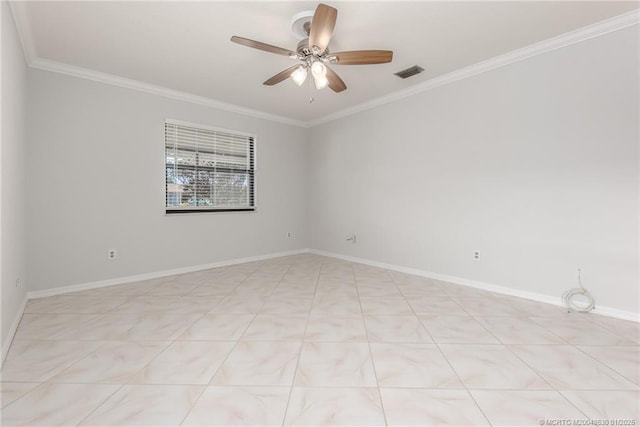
x: 208, y: 169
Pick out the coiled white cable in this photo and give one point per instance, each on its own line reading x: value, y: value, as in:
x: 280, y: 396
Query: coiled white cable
x: 583, y: 306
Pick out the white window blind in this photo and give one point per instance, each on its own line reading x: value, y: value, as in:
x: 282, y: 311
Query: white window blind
x: 208, y: 170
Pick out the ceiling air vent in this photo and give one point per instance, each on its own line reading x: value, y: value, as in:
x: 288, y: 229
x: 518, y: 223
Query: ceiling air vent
x: 411, y: 71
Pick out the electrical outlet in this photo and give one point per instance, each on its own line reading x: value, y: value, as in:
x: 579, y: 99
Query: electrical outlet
x: 111, y: 254
x: 352, y: 239
x: 289, y: 234
x: 476, y: 255
x: 17, y: 281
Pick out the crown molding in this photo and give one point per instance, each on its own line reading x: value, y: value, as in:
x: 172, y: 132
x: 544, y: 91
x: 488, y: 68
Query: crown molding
x: 23, y: 26
x: 20, y: 17
x: 585, y: 33
x: 84, y: 73
x: 595, y: 30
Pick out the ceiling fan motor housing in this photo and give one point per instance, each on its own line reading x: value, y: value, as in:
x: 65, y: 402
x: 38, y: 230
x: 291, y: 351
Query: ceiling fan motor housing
x: 301, y: 24
x: 304, y: 50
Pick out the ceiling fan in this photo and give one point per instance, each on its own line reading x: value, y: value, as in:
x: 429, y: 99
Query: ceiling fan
x: 314, y: 54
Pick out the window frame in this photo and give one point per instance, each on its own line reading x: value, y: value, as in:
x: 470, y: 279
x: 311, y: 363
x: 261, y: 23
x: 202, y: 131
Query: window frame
x: 208, y: 209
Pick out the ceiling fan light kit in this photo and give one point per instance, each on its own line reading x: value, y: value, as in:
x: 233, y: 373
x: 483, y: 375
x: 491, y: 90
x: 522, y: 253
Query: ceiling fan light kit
x: 313, y: 51
x: 299, y: 75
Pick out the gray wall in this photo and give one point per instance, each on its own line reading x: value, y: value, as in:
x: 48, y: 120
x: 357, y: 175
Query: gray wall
x: 12, y: 179
x: 96, y: 182
x: 534, y: 164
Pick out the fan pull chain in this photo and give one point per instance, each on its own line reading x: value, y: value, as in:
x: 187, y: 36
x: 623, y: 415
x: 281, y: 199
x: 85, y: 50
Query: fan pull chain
x: 310, y: 91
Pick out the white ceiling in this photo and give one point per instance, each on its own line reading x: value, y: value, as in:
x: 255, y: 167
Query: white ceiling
x: 185, y: 46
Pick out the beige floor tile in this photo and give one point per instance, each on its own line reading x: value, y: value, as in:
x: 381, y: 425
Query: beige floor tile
x: 419, y: 286
x: 179, y: 286
x: 384, y: 305
x: 336, y: 329
x: 460, y: 291
x: 259, y: 363
x: 74, y: 304
x: 217, y: 327
x: 114, y: 362
x: 255, y: 287
x: 38, y: 361
x: 607, y: 405
x: 287, y: 306
x: 294, y: 289
x: 335, y: 364
x: 539, y: 309
x: 424, y: 407
x: 378, y: 289
x: 238, y: 303
x: 9, y: 391
x: 124, y: 290
x: 567, y: 368
x: 52, y: 326
x: 457, y: 330
x: 212, y: 290
x: 56, y: 404
x: 487, y: 306
x: 525, y: 408
x: 623, y: 328
x: 185, y: 362
x: 580, y: 331
x: 149, y: 326
x: 159, y: 326
x: 331, y: 406
x: 239, y: 406
x: 148, y: 405
x: 412, y: 365
x: 435, y: 306
x: 518, y: 330
x: 276, y: 327
x: 307, y: 340
x: 105, y: 328
x: 335, y: 304
x: 383, y: 328
x: 147, y: 303
x: 491, y: 366
x: 625, y: 360
x: 195, y: 304
x: 327, y: 295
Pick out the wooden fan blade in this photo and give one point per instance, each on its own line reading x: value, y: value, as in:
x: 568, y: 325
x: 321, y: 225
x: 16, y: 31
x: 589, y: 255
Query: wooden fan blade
x: 322, y: 25
x: 262, y: 46
x: 363, y: 57
x: 335, y: 82
x: 281, y: 76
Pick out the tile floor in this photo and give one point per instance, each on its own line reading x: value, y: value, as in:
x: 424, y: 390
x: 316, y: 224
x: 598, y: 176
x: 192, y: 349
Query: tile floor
x: 309, y: 340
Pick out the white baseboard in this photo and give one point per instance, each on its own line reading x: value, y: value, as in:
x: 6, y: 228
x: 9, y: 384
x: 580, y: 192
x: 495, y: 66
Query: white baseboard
x: 12, y: 330
x: 548, y: 299
x: 157, y: 274
x: 605, y: 311
x: 128, y: 279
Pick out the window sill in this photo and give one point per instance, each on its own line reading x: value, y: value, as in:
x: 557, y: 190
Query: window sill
x: 192, y: 211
